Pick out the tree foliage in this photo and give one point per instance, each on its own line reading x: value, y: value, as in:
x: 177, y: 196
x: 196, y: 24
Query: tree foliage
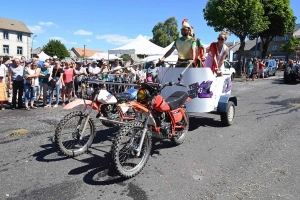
x: 56, y: 48
x: 289, y: 47
x: 281, y: 21
x: 164, y: 33
x: 240, y: 17
x: 125, y: 57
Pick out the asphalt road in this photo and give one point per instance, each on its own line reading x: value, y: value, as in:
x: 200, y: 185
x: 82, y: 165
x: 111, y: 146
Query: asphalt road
x: 255, y: 158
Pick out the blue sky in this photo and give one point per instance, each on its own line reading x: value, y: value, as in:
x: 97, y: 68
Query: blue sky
x: 105, y: 25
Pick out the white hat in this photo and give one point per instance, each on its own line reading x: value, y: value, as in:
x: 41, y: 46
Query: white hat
x: 185, y: 24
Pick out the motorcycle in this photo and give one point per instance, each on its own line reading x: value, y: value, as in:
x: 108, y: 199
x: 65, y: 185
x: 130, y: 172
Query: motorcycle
x: 167, y: 117
x: 113, y: 110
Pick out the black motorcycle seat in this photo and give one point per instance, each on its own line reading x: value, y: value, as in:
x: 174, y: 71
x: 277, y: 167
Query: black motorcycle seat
x: 122, y: 97
x: 177, y: 99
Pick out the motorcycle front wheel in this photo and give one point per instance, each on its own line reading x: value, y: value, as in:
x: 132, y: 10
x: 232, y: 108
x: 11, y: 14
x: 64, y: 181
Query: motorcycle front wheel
x: 124, y: 155
x: 68, y: 133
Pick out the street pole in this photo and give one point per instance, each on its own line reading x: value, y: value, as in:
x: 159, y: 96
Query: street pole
x: 32, y: 45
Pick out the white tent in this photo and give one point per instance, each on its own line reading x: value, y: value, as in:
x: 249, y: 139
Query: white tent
x: 167, y: 48
x: 99, y: 56
x: 43, y: 56
x: 171, y: 58
x: 139, y: 45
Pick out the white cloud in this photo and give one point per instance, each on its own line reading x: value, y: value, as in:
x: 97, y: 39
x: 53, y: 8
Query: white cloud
x: 36, y: 29
x: 47, y: 24
x: 83, y: 32
x: 87, y: 40
x: 63, y: 40
x: 114, y: 39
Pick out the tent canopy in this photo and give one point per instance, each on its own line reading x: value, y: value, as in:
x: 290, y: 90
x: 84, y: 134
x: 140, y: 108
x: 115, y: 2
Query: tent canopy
x: 99, y: 56
x: 43, y: 56
x: 139, y: 45
x: 171, y: 58
x: 167, y: 48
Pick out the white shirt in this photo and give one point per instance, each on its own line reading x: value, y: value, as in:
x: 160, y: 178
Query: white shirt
x: 112, y: 77
x: 132, y: 74
x: 142, y: 74
x: 94, y: 69
x: 3, y: 69
x: 81, y: 70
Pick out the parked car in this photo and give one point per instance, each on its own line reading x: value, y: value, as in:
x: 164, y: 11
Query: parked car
x: 228, y: 70
x: 270, y: 68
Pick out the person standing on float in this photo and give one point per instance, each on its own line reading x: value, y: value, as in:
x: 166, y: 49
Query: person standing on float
x: 217, y: 53
x: 185, y: 45
x: 200, y: 51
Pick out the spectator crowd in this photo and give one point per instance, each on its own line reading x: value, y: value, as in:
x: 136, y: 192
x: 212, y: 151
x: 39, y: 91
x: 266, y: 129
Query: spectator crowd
x: 28, y: 84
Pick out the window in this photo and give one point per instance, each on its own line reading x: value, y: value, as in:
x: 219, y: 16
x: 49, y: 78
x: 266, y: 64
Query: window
x: 274, y: 48
x: 226, y: 65
x: 285, y: 37
x: 5, y: 35
x: 275, y: 38
x: 20, y: 37
x: 19, y: 50
x: 6, y: 49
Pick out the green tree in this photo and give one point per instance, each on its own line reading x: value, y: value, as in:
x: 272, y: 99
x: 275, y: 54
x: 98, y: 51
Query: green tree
x: 240, y: 17
x: 55, y: 47
x: 289, y: 47
x: 164, y: 33
x: 281, y: 18
x: 125, y: 57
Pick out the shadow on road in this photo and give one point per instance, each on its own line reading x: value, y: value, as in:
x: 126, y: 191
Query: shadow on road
x: 196, y: 122
x: 48, y: 149
x: 100, y: 171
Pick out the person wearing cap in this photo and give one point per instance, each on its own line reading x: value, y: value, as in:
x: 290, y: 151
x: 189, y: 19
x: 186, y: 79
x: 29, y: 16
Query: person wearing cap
x: 80, y: 72
x: 185, y: 45
x: 94, y: 70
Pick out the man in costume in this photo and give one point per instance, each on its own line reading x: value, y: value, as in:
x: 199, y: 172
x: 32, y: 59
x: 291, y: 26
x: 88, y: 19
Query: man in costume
x: 185, y: 45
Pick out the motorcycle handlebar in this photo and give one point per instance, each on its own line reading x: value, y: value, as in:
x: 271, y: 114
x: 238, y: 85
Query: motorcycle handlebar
x: 171, y: 84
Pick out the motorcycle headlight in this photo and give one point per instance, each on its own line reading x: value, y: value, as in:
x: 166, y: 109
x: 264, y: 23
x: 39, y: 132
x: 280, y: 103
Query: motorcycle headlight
x: 142, y: 95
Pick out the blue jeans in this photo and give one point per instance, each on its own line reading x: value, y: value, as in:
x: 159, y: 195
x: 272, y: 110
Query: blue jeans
x: 29, y: 90
x: 57, y: 92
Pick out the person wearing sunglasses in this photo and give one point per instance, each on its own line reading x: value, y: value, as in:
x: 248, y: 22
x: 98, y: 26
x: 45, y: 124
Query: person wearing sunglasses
x: 185, y: 45
x: 217, y: 53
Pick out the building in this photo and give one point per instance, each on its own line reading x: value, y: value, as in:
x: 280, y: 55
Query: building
x: 274, y: 46
x: 15, y: 39
x: 81, y: 52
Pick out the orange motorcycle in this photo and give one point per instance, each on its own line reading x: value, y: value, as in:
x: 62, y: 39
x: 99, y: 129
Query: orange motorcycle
x: 132, y: 145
